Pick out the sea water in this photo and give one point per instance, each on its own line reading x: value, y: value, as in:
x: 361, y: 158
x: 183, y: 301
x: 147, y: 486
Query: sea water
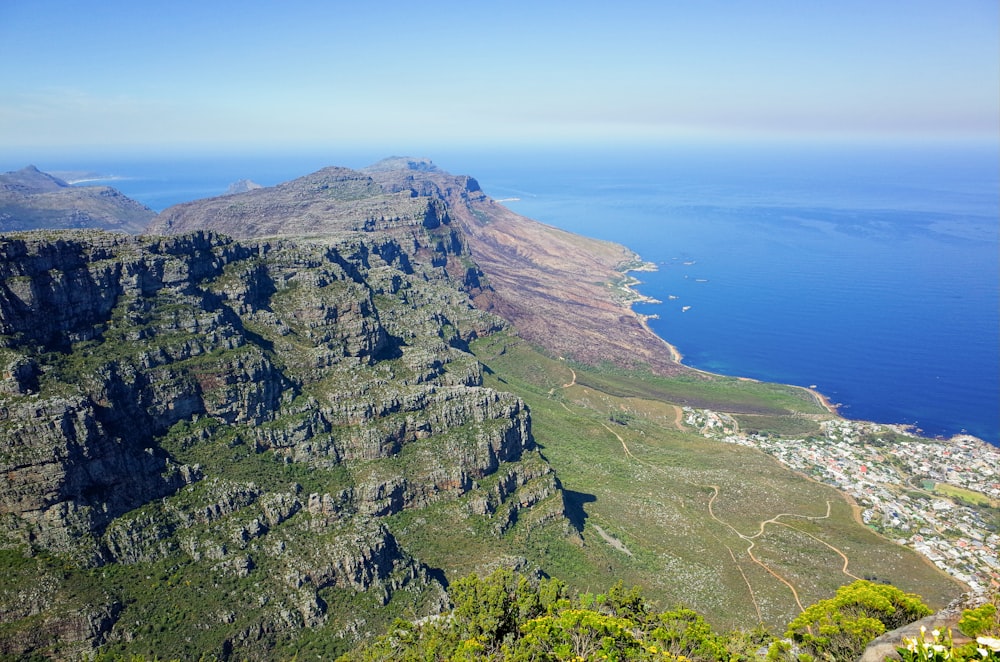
x: 867, y: 271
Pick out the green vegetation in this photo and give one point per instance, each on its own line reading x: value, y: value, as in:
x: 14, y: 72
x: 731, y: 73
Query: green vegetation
x: 782, y: 425
x: 841, y: 627
x: 719, y: 528
x: 728, y: 394
x: 320, y: 460
x: 505, y: 616
x: 965, y: 496
x: 508, y: 617
x: 983, y: 620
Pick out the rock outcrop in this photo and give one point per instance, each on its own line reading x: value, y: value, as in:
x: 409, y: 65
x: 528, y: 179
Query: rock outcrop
x: 242, y: 186
x: 564, y: 292
x: 237, y: 419
x: 221, y: 431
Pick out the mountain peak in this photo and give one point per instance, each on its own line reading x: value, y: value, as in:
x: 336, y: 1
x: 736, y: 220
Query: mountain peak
x: 30, y: 179
x: 242, y: 186
x: 403, y: 163
x: 31, y: 199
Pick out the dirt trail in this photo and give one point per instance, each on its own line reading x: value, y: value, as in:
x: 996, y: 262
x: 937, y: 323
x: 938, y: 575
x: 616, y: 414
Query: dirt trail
x: 750, y: 538
x: 752, y: 543
x: 611, y: 540
x: 628, y: 453
x: 678, y: 410
x: 572, y: 382
x: 753, y: 597
x: 823, y: 542
x: 679, y: 418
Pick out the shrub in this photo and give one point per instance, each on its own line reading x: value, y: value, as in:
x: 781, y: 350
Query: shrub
x: 841, y: 627
x: 980, y: 621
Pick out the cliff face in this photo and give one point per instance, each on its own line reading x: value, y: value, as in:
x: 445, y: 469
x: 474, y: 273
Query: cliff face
x: 561, y: 291
x: 236, y: 419
x: 564, y: 292
x: 231, y: 428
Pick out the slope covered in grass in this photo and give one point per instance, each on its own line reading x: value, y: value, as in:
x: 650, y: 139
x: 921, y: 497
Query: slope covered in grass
x: 720, y: 528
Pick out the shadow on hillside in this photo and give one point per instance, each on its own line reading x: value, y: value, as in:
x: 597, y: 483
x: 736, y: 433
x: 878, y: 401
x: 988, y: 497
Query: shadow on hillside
x: 573, y: 503
x: 393, y: 349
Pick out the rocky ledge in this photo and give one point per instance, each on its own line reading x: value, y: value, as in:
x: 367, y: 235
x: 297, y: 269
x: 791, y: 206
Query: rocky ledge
x: 228, y: 424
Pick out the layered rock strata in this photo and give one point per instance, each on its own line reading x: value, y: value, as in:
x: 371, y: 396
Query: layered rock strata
x: 195, y: 406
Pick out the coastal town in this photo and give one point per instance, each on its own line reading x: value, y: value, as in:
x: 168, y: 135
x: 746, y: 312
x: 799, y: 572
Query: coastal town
x: 939, y: 497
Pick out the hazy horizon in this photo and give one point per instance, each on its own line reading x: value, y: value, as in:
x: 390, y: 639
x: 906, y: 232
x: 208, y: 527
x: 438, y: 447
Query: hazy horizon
x: 201, y: 78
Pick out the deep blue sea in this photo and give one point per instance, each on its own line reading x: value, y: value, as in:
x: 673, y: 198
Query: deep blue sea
x: 871, y: 272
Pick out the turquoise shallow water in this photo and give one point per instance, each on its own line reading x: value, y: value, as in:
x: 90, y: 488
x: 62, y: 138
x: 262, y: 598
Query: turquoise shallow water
x: 870, y: 272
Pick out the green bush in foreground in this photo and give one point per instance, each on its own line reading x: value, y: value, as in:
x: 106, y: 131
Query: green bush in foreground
x: 840, y: 628
x: 507, y: 617
x: 983, y: 620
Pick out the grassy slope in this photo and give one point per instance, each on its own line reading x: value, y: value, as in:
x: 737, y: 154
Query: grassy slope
x: 646, y: 486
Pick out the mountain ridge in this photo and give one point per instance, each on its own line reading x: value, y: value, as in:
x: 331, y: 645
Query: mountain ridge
x: 562, y: 291
x: 141, y: 372
x: 31, y: 199
x: 277, y: 443
x: 30, y: 179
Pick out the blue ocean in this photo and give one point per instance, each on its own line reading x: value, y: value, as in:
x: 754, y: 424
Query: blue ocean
x: 871, y: 272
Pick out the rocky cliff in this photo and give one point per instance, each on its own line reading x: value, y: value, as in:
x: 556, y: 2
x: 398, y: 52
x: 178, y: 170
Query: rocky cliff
x: 204, y: 441
x: 562, y: 291
x: 217, y: 431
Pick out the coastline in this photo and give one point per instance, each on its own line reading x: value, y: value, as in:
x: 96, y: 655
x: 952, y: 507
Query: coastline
x: 675, y: 354
x: 823, y: 400
x: 936, y: 552
x: 633, y: 296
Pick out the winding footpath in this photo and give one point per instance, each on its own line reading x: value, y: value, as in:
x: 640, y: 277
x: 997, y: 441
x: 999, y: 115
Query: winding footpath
x: 750, y: 539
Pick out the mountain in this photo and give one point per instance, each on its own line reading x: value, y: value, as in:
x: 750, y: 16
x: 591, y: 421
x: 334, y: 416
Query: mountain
x: 565, y: 292
x: 31, y: 199
x: 287, y: 416
x: 242, y: 186
x: 241, y: 416
x: 29, y: 180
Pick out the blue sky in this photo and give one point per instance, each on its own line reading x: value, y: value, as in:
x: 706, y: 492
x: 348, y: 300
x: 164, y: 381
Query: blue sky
x: 206, y: 75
